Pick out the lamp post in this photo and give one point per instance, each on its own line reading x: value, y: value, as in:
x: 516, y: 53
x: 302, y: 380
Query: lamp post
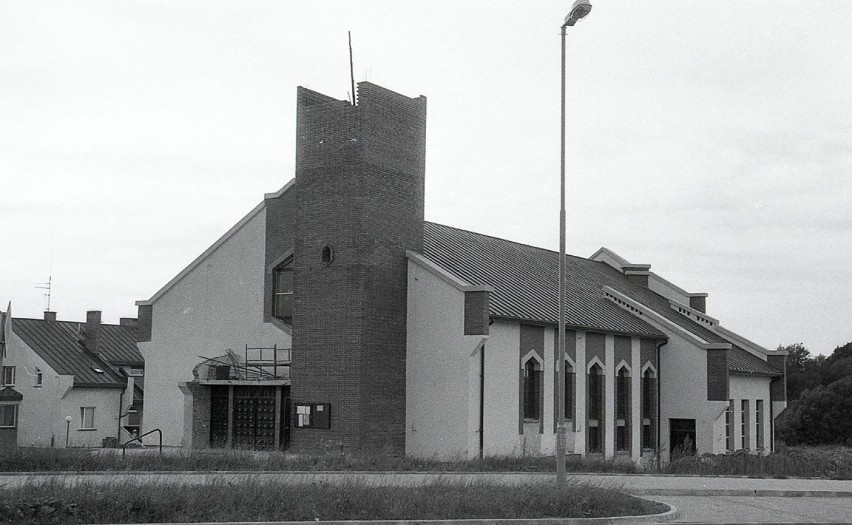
x: 67, y: 429
x: 578, y: 11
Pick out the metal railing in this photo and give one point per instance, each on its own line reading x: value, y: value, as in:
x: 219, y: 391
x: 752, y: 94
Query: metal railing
x: 139, y: 439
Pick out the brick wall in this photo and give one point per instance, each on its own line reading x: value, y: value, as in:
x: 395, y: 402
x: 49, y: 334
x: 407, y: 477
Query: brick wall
x: 200, y: 415
x: 360, y: 183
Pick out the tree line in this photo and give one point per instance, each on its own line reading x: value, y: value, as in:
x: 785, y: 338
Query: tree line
x: 819, y: 397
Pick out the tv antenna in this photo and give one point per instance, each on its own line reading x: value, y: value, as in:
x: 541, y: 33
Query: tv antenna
x: 46, y: 286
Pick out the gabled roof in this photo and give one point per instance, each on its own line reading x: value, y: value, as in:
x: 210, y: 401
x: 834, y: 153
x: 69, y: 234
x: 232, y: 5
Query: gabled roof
x: 10, y: 394
x: 57, y: 342
x: 525, y: 282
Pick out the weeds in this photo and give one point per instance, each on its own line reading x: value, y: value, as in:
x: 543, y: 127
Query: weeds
x: 264, y: 501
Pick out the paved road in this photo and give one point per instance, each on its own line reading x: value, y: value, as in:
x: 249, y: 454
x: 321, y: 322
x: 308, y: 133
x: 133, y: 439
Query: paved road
x: 738, y: 509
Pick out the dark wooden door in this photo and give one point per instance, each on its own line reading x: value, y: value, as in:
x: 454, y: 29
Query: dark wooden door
x: 254, y: 417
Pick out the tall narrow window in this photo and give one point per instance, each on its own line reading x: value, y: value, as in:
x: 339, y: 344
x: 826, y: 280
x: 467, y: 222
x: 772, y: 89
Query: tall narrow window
x: 282, y: 291
x: 758, y: 424
x: 649, y: 409
x: 37, y: 379
x: 595, y: 424
x: 729, y: 426
x: 569, y: 391
x: 87, y: 418
x: 744, y: 424
x: 532, y: 389
x: 8, y: 376
x: 622, y: 410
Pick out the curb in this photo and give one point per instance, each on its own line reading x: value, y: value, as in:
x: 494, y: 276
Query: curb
x: 740, y: 492
x: 670, y: 515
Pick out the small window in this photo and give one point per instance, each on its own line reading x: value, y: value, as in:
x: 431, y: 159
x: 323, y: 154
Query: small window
x: 282, y: 291
x: 136, y: 372
x: 744, y: 412
x: 729, y: 426
x: 8, y: 416
x: 8, y: 376
x: 327, y: 255
x: 37, y: 379
x: 87, y: 418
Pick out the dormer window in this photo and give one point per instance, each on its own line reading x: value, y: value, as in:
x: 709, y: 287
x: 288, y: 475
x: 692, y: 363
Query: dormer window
x: 282, y: 291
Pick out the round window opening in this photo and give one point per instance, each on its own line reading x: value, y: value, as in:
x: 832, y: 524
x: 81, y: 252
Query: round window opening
x: 327, y: 255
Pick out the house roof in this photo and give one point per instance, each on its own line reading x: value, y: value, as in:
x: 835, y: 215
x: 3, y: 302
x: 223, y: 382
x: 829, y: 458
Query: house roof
x: 10, y: 394
x: 525, y: 282
x: 117, y: 344
x: 58, y: 343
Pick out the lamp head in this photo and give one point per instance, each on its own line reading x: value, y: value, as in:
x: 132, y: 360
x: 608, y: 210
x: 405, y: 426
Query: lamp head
x: 68, y: 419
x: 578, y: 11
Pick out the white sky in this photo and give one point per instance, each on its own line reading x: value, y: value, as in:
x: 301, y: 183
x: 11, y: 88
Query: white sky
x: 712, y: 140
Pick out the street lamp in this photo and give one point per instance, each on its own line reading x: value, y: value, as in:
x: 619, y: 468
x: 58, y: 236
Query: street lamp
x: 67, y: 429
x: 578, y: 11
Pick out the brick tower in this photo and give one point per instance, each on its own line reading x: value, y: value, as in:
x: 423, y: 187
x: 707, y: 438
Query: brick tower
x: 360, y: 173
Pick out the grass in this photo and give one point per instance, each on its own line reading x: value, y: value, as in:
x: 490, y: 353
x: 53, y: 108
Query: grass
x: 265, y: 501
x: 83, y: 460
x: 832, y: 462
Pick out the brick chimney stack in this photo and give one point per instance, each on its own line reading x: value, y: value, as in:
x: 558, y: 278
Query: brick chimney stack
x: 93, y: 328
x: 49, y: 316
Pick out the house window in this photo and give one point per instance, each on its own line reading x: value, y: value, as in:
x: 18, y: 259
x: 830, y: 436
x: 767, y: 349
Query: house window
x: 532, y: 389
x: 729, y: 426
x: 8, y: 416
x: 622, y: 410
x: 8, y: 376
x: 282, y: 291
x: 37, y: 378
x: 649, y: 409
x: 136, y: 372
x: 569, y: 391
x: 744, y: 424
x: 758, y: 424
x: 87, y: 418
x: 595, y: 404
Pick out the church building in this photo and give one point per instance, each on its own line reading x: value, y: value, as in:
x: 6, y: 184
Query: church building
x: 334, y: 317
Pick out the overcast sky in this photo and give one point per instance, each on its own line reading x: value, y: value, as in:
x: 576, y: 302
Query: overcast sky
x: 712, y: 140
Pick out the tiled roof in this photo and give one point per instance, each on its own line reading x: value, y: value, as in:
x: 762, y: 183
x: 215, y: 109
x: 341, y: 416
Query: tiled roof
x: 525, y: 282
x: 57, y: 342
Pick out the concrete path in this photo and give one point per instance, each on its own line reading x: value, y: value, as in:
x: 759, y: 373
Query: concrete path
x: 645, y: 485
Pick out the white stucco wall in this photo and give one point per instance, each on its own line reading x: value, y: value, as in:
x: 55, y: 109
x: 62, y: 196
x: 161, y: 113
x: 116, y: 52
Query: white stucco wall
x: 442, y: 371
x: 501, y: 390
x: 40, y: 421
x: 752, y: 388
x: 216, y: 306
x: 105, y: 402
x: 683, y: 395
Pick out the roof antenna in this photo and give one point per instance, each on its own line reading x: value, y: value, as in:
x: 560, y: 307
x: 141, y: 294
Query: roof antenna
x: 46, y: 286
x: 352, y: 70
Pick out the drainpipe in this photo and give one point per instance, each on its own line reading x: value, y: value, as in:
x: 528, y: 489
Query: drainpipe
x: 120, y: 407
x: 659, y: 403
x: 482, y: 402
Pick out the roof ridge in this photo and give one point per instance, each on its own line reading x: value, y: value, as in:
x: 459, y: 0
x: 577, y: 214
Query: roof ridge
x: 554, y: 252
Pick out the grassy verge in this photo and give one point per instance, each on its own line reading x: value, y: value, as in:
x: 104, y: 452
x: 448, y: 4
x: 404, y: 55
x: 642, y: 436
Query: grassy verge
x: 792, y: 462
x: 81, y: 460
x: 264, y: 501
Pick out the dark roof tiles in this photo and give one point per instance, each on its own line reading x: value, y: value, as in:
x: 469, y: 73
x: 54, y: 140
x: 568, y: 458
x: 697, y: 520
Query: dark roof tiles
x: 58, y: 343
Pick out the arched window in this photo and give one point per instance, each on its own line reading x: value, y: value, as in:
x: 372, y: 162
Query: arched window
x: 532, y: 389
x: 622, y: 410
x: 282, y: 291
x: 595, y: 423
x: 649, y: 409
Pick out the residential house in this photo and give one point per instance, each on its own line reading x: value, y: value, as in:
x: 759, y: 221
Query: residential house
x: 68, y: 383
